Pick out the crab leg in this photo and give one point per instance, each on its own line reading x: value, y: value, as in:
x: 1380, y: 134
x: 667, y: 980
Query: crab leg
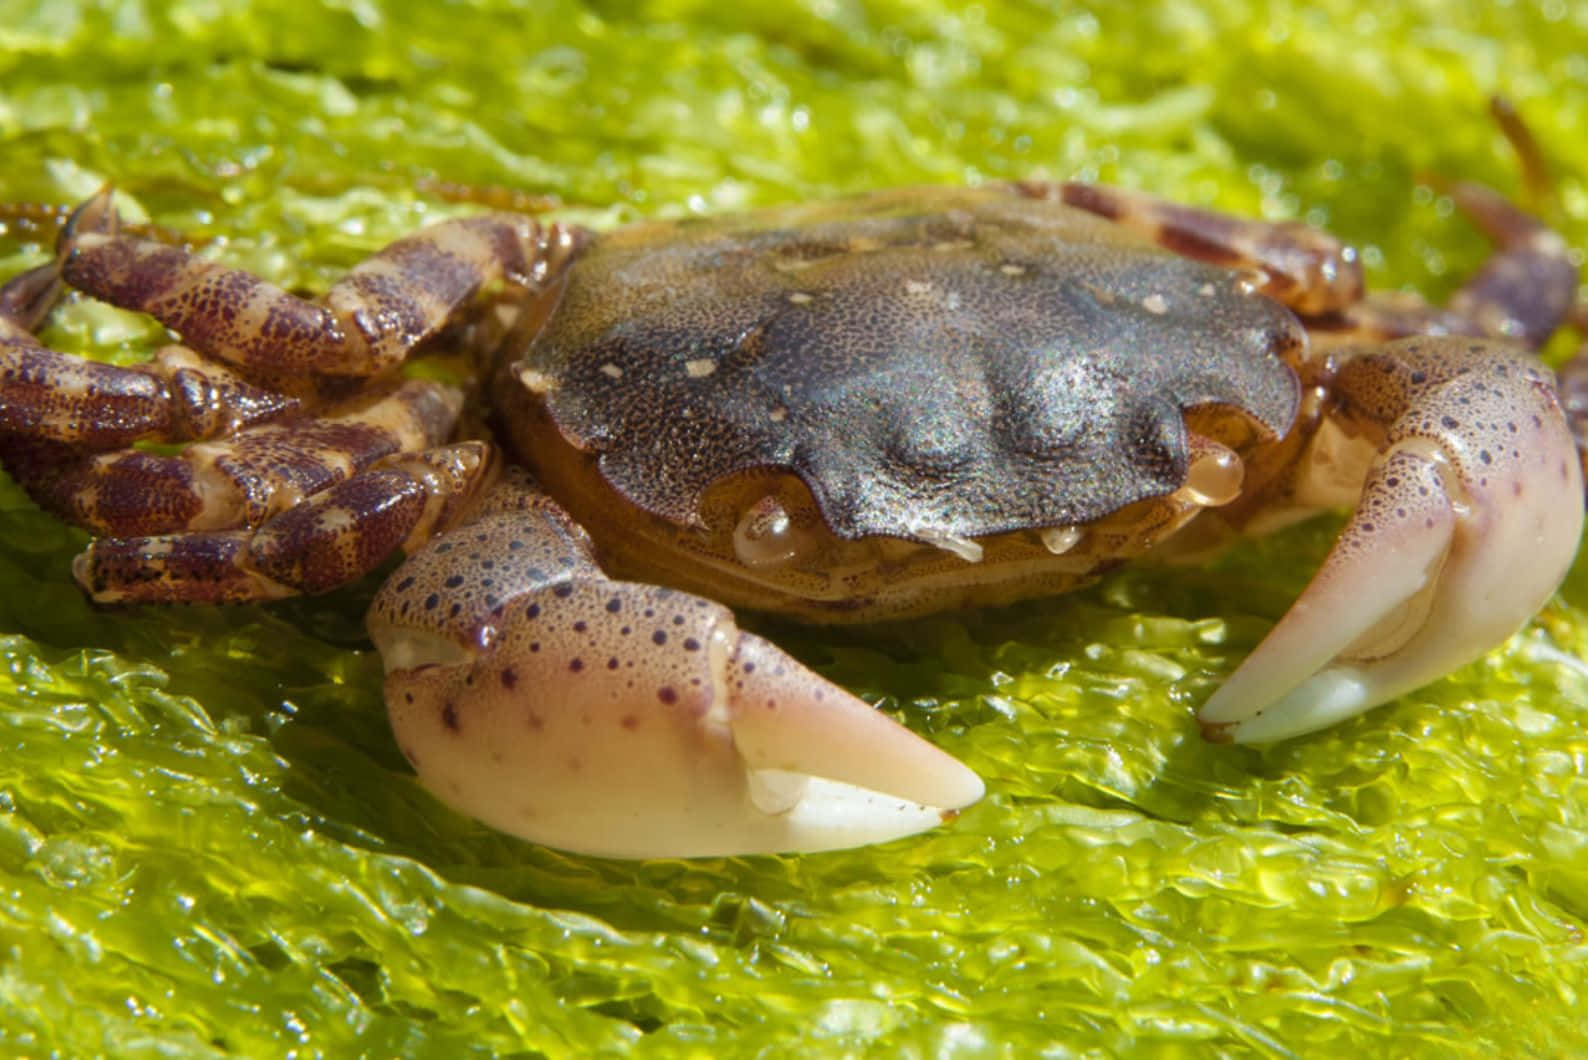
x: 368, y: 322
x: 1573, y: 376
x: 53, y: 396
x: 279, y: 509
x: 615, y: 718
x: 26, y: 299
x: 1523, y: 292
x: 1309, y: 270
x: 174, y: 398
x: 1468, y: 521
x: 241, y: 481
x: 327, y: 541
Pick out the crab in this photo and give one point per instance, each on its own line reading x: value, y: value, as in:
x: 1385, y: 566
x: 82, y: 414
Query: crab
x: 877, y: 407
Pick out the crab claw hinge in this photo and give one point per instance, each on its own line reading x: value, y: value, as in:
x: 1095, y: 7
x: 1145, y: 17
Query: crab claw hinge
x: 1468, y: 521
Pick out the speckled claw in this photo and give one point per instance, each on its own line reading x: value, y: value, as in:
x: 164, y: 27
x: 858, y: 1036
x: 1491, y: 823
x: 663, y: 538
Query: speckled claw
x: 1468, y: 522
x: 627, y: 720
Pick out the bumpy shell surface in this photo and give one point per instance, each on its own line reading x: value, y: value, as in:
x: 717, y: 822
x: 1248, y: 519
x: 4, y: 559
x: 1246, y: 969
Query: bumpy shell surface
x: 964, y: 361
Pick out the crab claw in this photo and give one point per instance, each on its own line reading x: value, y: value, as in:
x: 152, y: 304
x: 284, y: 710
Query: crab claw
x: 626, y: 720
x: 1468, y: 521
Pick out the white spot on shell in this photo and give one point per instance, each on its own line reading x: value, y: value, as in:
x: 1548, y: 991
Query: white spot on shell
x: 1155, y: 303
x: 536, y: 381
x: 917, y: 287
x: 1206, y: 290
x: 700, y: 367
x: 799, y: 297
x: 611, y: 371
x: 778, y: 414
x: 1011, y: 269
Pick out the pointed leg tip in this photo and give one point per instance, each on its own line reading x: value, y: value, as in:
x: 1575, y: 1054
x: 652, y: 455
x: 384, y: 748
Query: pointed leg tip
x: 96, y: 214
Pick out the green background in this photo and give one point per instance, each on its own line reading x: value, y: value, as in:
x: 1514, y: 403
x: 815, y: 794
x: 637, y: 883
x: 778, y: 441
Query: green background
x: 209, y: 843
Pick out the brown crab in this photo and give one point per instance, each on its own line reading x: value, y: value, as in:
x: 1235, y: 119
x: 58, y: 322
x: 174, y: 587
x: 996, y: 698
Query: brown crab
x: 880, y: 406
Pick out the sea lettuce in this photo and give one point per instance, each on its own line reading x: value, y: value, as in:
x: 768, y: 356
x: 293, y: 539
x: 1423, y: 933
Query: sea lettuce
x: 210, y: 845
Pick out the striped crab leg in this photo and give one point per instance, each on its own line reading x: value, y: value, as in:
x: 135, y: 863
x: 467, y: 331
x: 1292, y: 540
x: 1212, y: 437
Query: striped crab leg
x: 311, y: 461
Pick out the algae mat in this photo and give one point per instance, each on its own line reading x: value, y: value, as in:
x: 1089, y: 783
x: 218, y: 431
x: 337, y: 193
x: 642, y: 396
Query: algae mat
x: 209, y: 844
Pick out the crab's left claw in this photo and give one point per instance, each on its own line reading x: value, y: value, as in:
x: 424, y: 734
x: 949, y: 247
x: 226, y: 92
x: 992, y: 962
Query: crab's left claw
x: 1468, y: 521
x: 622, y: 719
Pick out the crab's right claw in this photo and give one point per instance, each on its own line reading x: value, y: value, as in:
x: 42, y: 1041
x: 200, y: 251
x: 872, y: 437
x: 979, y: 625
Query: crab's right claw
x: 1468, y: 522
x: 621, y: 719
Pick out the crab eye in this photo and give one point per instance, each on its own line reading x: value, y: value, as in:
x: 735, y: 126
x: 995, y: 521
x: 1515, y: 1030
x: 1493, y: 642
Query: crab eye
x: 767, y: 535
x: 1215, y: 475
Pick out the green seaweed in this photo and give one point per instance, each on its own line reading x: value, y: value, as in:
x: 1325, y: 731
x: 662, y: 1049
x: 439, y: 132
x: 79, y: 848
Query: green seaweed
x: 209, y: 844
